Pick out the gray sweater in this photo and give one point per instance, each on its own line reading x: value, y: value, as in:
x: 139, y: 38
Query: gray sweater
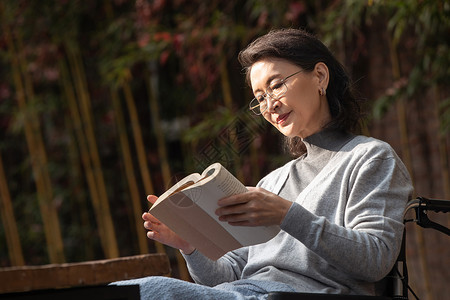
x: 343, y: 231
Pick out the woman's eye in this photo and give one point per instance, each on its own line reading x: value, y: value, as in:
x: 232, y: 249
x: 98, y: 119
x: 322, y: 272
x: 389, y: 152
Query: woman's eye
x: 260, y: 98
x: 276, y: 86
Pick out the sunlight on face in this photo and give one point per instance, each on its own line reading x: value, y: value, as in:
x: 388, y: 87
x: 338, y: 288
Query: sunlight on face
x: 301, y: 111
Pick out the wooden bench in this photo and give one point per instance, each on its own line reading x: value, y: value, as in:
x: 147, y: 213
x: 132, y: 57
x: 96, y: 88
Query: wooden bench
x: 90, y: 274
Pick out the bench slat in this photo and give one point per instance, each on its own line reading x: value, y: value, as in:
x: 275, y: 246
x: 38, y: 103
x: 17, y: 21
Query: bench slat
x: 27, y: 278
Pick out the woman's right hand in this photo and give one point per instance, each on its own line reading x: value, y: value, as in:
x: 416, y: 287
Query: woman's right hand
x: 159, y: 232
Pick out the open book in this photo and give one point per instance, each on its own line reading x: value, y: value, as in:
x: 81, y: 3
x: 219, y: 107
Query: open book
x: 188, y: 208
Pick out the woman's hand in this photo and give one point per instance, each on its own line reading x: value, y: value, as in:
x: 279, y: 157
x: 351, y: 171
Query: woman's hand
x: 161, y: 233
x: 257, y: 207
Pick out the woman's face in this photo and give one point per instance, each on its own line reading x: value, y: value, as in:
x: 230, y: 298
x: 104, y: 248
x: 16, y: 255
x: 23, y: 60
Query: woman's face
x: 301, y: 111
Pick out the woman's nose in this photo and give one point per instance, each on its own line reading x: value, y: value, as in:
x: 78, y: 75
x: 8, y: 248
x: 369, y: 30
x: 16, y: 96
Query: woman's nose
x: 272, y: 104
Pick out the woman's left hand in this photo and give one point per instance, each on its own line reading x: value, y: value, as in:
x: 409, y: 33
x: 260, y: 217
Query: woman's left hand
x: 257, y: 207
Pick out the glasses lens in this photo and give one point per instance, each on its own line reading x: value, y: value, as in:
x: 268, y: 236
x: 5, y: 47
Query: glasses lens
x: 277, y: 89
x: 263, y: 106
x: 255, y: 106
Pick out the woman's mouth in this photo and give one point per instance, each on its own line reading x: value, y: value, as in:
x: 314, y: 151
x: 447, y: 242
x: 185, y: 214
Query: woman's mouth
x: 282, y: 118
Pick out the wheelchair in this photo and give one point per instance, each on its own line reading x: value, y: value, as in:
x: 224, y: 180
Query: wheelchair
x: 397, y: 280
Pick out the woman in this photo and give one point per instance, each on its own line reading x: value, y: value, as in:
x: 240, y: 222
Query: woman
x: 339, y: 204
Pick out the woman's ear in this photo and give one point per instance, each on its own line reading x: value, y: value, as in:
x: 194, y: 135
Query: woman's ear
x: 321, y: 71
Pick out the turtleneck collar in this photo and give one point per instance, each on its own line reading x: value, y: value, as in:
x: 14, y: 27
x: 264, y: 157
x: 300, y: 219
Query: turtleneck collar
x: 326, y: 139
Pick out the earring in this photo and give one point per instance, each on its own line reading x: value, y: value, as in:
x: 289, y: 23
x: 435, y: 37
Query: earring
x: 322, y: 92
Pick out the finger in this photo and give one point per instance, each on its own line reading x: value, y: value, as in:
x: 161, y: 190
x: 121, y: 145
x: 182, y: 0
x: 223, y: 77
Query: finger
x: 242, y: 223
x: 152, y: 198
x: 146, y: 216
x: 233, y: 200
x: 151, y: 225
x: 151, y: 235
x: 149, y: 217
x: 148, y: 225
x: 234, y: 217
x: 242, y: 220
x: 157, y: 226
x: 237, y: 209
x: 155, y: 235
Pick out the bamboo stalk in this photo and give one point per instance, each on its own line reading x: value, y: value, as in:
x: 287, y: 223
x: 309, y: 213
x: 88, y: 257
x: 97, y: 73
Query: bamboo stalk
x: 84, y: 153
x: 56, y: 238
x: 9, y: 222
x: 151, y: 84
x: 156, y: 122
x: 225, y: 83
x: 137, y: 134
x: 79, y: 77
x: 226, y: 90
x: 37, y: 152
x: 402, y: 122
x: 140, y: 149
x: 129, y: 171
x: 254, y: 153
x: 76, y: 188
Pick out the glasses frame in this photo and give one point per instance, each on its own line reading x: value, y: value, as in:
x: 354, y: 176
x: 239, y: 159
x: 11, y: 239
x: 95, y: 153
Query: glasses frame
x: 254, y: 103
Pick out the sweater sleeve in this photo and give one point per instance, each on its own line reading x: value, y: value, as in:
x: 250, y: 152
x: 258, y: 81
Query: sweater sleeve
x: 366, y: 242
x: 210, y: 273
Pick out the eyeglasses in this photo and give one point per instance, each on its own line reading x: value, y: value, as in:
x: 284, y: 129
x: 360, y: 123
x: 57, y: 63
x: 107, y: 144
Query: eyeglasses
x: 275, y: 91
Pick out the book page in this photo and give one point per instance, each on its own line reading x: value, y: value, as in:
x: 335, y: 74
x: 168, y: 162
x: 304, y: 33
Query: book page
x: 219, y: 184
x: 180, y: 185
x: 224, y: 180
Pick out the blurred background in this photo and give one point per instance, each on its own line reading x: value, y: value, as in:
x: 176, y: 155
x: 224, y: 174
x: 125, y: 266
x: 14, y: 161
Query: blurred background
x: 103, y: 102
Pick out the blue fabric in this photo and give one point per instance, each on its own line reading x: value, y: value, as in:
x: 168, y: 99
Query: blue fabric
x: 156, y: 287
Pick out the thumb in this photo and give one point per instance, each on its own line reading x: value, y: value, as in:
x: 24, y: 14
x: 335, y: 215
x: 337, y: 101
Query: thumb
x: 152, y: 198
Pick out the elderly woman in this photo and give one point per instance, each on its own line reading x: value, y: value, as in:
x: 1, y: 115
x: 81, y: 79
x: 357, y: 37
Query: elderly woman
x: 339, y: 203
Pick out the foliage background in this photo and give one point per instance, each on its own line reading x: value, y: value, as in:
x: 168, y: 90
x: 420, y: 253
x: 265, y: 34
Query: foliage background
x: 104, y: 102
